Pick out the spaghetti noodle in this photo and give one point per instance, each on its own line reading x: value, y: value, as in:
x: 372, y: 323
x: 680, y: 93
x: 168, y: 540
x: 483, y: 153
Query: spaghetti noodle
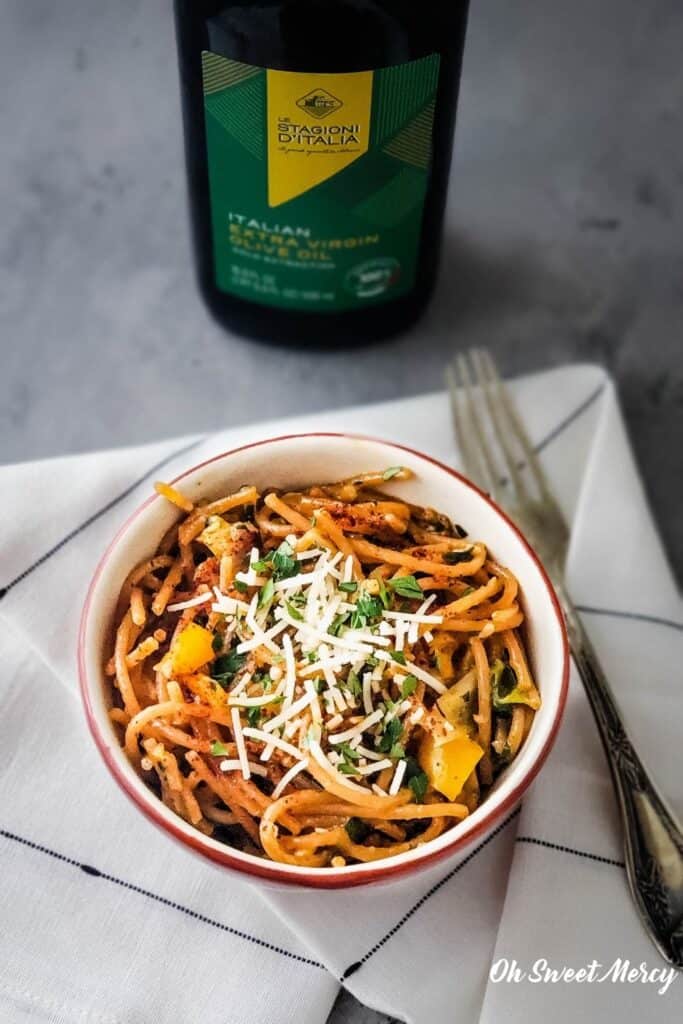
x: 320, y: 677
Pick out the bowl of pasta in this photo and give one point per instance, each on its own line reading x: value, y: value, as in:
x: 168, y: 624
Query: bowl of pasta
x: 323, y: 660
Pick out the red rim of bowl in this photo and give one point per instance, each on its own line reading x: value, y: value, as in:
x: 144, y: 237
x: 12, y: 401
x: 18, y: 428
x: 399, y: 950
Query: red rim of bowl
x: 322, y: 878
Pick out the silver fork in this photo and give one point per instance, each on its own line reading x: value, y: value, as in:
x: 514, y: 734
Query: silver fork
x: 499, y: 456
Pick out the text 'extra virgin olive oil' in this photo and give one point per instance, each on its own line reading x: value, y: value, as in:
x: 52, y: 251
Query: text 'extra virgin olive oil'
x: 318, y: 139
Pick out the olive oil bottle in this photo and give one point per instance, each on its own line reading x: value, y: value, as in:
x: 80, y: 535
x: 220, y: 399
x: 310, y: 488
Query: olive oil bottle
x: 318, y: 141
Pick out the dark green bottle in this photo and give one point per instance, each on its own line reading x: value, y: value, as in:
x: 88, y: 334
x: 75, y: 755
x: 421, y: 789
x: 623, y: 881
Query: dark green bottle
x: 318, y: 140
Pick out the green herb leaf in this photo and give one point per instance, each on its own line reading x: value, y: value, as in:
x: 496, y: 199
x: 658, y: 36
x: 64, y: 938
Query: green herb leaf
x: 406, y: 586
x: 349, y: 753
x: 391, y: 472
x: 217, y: 643
x: 347, y: 769
x: 354, y: 684
x: 398, y: 750
x: 418, y: 783
x: 371, y: 661
x: 367, y: 609
x: 398, y: 656
x: 226, y: 666
x: 337, y: 623
x: 357, y: 830
x: 384, y: 595
x: 318, y: 685
x: 312, y: 656
x: 349, y: 588
x: 453, y: 557
x: 409, y: 686
x: 218, y: 749
x: 267, y: 593
x: 283, y: 562
x: 254, y: 717
x: 240, y: 586
x: 294, y: 612
x: 391, y: 735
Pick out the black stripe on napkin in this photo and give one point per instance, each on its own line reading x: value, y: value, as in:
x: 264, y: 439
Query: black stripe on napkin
x: 96, y: 515
x: 570, y: 849
x: 570, y: 418
x: 423, y: 899
x: 94, y: 872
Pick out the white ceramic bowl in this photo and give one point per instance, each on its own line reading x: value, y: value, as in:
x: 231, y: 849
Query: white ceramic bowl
x: 298, y: 461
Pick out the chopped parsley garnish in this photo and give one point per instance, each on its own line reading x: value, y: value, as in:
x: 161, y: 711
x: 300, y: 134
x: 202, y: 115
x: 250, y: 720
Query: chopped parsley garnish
x: 217, y: 643
x: 354, y: 684
x: 284, y: 563
x: 453, y: 557
x: 267, y: 593
x: 347, y: 769
x: 348, y: 752
x: 337, y: 623
x: 254, y: 717
x: 398, y: 656
x: 391, y: 735
x: 318, y: 684
x: 391, y: 472
x: 357, y: 830
x: 349, y: 588
x: 264, y: 679
x: 416, y: 779
x: 218, y: 749
x: 372, y: 661
x: 367, y: 609
x: 406, y: 586
x: 384, y: 595
x: 418, y: 783
x: 240, y: 585
x: 226, y: 667
x: 281, y: 562
x: 294, y: 611
x: 312, y: 656
x: 398, y: 750
x: 409, y: 686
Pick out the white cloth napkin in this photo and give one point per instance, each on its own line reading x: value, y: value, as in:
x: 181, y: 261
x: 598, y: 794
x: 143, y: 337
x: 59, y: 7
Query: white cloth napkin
x: 104, y: 920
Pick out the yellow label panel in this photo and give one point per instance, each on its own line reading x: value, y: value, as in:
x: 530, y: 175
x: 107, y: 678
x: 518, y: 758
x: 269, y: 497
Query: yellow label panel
x: 318, y: 124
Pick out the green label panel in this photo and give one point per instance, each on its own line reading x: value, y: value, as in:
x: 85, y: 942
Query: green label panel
x: 317, y: 181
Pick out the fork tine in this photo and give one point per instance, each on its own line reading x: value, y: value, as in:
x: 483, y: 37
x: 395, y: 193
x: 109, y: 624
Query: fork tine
x: 518, y: 430
x: 476, y: 449
x: 470, y: 456
x: 501, y: 435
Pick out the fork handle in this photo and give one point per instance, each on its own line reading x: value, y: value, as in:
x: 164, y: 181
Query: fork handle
x: 653, y: 843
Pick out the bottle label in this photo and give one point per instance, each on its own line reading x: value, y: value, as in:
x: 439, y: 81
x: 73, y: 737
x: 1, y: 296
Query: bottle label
x: 317, y: 182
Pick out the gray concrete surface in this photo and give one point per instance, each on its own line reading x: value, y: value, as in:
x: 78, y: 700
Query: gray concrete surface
x: 564, y: 237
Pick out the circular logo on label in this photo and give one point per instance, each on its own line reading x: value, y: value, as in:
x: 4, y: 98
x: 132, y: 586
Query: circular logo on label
x: 374, y: 277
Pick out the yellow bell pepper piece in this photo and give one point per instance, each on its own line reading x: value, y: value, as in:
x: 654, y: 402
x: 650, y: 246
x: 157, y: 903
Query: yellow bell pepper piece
x: 449, y: 765
x: 190, y: 650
